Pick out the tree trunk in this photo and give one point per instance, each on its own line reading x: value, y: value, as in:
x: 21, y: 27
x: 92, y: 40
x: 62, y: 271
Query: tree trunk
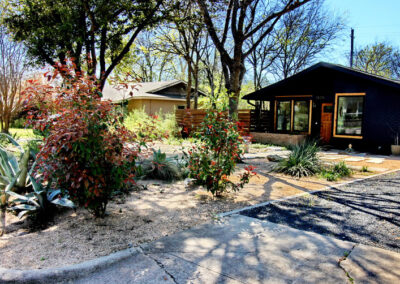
x: 196, y: 85
x: 3, y: 220
x: 189, y: 87
x: 232, y: 84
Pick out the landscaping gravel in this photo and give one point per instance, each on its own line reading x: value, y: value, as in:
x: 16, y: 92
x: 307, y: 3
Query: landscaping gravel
x: 366, y: 212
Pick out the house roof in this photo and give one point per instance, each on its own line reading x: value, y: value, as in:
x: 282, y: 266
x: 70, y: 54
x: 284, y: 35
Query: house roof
x: 265, y: 92
x: 146, y: 90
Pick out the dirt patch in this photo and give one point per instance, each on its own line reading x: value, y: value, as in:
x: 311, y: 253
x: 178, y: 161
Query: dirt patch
x: 161, y: 209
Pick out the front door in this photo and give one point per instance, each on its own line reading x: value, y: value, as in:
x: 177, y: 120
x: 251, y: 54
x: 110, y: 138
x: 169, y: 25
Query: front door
x: 326, y: 122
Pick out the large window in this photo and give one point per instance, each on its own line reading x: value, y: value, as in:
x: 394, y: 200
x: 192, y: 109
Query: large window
x: 301, y: 116
x: 349, y: 115
x: 293, y: 115
x: 283, y: 121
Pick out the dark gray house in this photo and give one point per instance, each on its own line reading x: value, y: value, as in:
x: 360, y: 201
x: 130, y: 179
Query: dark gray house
x: 338, y: 104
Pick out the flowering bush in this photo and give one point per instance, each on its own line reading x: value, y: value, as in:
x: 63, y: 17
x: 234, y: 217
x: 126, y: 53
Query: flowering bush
x: 86, y: 150
x: 213, y: 160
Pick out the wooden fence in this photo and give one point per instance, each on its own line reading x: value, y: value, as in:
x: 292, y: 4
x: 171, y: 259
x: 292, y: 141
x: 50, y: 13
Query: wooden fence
x: 261, y: 121
x: 190, y: 119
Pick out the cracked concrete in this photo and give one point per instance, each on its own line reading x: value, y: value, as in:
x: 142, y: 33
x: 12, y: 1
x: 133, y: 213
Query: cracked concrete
x: 161, y: 265
x: 346, y: 255
x: 240, y: 249
x: 368, y: 264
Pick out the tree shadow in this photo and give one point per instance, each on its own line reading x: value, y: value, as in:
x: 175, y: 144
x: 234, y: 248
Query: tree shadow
x: 365, y: 212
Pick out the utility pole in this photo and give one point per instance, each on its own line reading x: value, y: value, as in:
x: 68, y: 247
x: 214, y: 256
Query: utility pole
x: 351, y: 48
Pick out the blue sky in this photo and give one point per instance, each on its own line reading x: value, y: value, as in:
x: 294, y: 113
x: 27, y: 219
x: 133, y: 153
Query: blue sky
x: 372, y: 20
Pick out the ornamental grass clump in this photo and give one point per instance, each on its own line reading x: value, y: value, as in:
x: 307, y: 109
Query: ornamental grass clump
x: 302, y: 161
x: 213, y: 159
x: 87, y: 152
x: 161, y: 167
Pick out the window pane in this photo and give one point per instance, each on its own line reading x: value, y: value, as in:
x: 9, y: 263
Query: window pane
x: 349, y: 116
x: 301, y: 115
x: 283, y: 116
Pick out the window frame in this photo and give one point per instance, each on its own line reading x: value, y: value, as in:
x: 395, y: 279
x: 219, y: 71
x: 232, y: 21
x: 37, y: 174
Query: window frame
x: 290, y: 115
x: 352, y: 136
x: 292, y: 99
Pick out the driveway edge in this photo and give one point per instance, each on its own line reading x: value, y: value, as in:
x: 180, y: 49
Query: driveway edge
x: 56, y: 275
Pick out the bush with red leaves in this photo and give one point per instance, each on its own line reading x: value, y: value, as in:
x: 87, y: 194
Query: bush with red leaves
x: 87, y: 152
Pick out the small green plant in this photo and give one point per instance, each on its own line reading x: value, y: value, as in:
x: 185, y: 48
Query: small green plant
x: 336, y: 172
x: 364, y: 169
x: 161, y: 167
x: 329, y: 175
x: 342, y: 169
x: 302, y: 161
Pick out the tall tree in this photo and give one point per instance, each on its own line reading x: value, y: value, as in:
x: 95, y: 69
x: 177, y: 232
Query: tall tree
x: 146, y: 62
x: 211, y: 70
x: 55, y: 30
x: 303, y: 34
x: 13, y: 67
x: 231, y: 24
x: 261, y: 59
x: 380, y: 59
x: 185, y: 37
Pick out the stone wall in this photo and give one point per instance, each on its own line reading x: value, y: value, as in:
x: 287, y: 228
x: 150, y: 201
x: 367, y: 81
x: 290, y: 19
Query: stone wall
x: 278, y: 138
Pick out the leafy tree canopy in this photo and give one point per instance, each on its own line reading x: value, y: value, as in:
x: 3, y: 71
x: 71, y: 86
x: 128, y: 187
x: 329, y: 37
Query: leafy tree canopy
x: 380, y: 59
x: 54, y: 30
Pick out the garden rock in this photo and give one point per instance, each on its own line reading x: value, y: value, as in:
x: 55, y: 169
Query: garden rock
x: 189, y: 183
x: 274, y: 158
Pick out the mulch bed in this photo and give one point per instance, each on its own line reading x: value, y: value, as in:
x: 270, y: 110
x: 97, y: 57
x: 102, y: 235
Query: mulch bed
x: 366, y: 212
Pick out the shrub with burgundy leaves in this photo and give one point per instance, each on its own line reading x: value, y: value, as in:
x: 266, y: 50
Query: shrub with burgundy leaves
x: 87, y: 151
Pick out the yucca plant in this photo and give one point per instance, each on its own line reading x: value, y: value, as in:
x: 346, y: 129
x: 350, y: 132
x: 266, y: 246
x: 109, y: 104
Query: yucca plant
x: 161, y: 167
x: 302, y: 161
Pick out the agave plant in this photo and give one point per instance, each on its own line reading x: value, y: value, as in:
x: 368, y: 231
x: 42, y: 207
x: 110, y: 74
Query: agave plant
x: 15, y: 178
x: 11, y: 174
x: 39, y: 200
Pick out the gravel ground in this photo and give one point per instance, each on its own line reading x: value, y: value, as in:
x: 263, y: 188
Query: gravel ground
x: 366, y: 212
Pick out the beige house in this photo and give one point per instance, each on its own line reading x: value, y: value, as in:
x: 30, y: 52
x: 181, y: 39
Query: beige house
x: 154, y: 97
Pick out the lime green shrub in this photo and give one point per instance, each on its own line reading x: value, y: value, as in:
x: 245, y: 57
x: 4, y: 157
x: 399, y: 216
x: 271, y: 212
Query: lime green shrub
x: 153, y: 127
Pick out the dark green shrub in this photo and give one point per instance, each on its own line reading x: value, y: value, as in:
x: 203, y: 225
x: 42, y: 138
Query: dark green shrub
x: 302, y: 161
x: 18, y: 123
